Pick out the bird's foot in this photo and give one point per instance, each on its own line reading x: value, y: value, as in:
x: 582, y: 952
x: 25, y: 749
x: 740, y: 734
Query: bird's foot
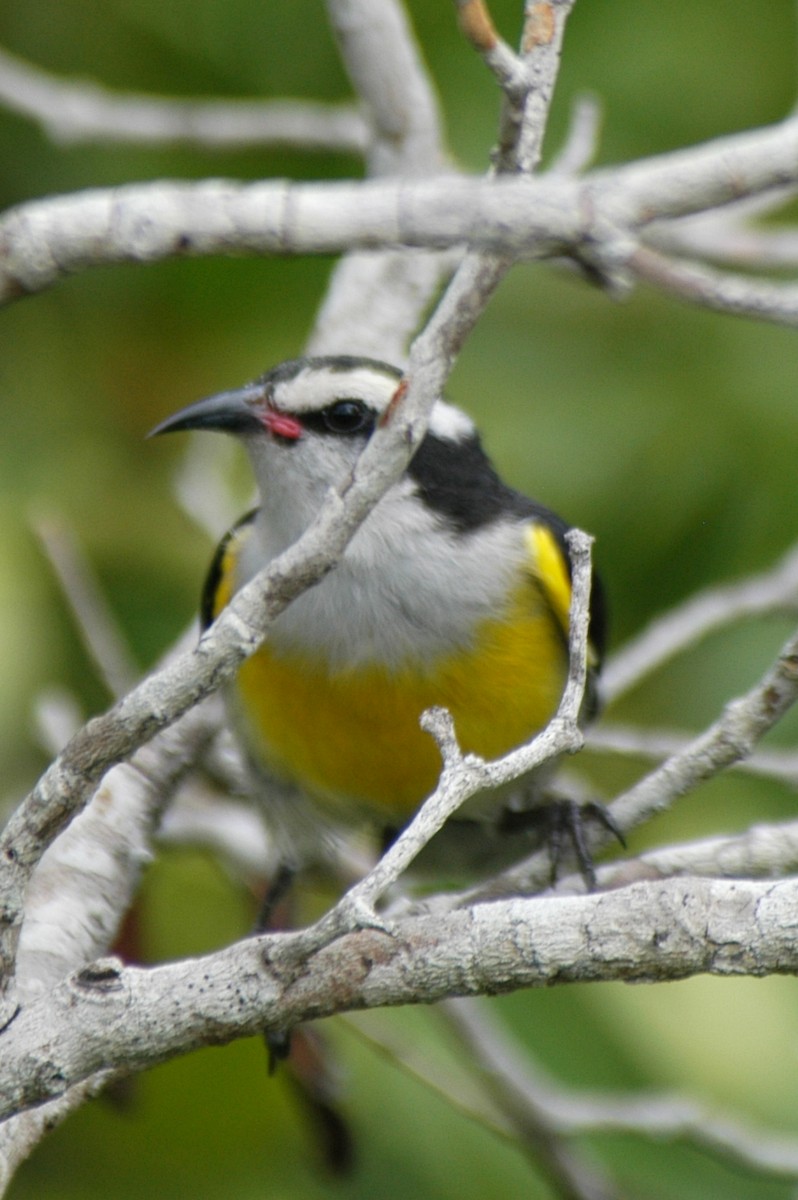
x: 562, y: 825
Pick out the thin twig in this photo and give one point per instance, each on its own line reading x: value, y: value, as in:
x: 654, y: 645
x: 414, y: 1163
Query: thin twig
x: 527, y: 79
x: 200, y: 488
x: 71, y: 112
x: 581, y: 143
x: 376, y: 301
x: 736, y: 295
x: 507, y: 67
x: 611, y: 738
x: 57, y: 717
x: 729, y: 739
x: 732, y: 737
x: 568, y: 1112
x: 775, y: 590
x: 728, y: 236
x: 380, y: 55
x: 742, y: 724
x: 573, y: 1174
x: 98, y: 629
x: 516, y: 1083
x: 232, y: 830
x: 764, y: 851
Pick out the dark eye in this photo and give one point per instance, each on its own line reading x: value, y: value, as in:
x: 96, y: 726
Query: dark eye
x: 347, y: 416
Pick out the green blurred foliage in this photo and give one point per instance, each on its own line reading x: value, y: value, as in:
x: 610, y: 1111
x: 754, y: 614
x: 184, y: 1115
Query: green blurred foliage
x: 670, y: 433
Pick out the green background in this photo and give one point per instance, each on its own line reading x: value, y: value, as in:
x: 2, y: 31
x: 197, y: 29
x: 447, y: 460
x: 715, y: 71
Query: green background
x: 668, y: 432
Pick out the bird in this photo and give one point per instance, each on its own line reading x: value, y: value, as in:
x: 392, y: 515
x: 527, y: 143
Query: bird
x: 454, y: 592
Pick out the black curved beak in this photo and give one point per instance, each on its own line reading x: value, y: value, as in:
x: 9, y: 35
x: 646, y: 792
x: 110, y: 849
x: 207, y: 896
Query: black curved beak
x: 228, y: 412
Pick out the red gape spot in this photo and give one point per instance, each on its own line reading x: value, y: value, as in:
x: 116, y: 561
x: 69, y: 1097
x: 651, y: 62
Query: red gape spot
x: 282, y: 425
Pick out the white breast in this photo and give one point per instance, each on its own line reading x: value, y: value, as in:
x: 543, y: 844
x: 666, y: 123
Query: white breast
x: 407, y: 588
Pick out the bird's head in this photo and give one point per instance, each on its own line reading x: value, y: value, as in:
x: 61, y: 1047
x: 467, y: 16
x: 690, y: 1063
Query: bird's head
x: 306, y: 421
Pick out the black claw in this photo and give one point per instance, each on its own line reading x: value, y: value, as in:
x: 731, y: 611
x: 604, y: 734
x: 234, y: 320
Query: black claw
x: 573, y: 823
x: 278, y: 1047
x: 562, y: 821
x: 605, y: 818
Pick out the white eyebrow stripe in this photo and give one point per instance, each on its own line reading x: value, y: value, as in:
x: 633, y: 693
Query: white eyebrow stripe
x: 313, y: 388
x: 316, y: 387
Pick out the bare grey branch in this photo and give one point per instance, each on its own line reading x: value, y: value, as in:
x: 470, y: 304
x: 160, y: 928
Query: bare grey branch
x: 81, y: 111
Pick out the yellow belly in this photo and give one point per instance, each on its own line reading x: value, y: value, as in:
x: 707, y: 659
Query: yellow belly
x: 353, y: 735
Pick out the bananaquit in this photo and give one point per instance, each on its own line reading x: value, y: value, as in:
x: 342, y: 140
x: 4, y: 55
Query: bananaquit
x: 455, y: 591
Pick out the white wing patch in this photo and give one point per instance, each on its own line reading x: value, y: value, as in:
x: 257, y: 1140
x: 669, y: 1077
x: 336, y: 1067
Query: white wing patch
x: 449, y: 422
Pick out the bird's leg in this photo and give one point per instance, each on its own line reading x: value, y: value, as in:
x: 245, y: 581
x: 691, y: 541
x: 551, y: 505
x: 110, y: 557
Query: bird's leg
x: 274, y: 913
x: 315, y: 1082
x: 309, y: 1066
x: 274, y: 910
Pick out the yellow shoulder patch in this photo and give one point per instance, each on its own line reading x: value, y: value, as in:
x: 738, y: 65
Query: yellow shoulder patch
x: 220, y: 583
x: 550, y: 569
x: 224, y: 585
